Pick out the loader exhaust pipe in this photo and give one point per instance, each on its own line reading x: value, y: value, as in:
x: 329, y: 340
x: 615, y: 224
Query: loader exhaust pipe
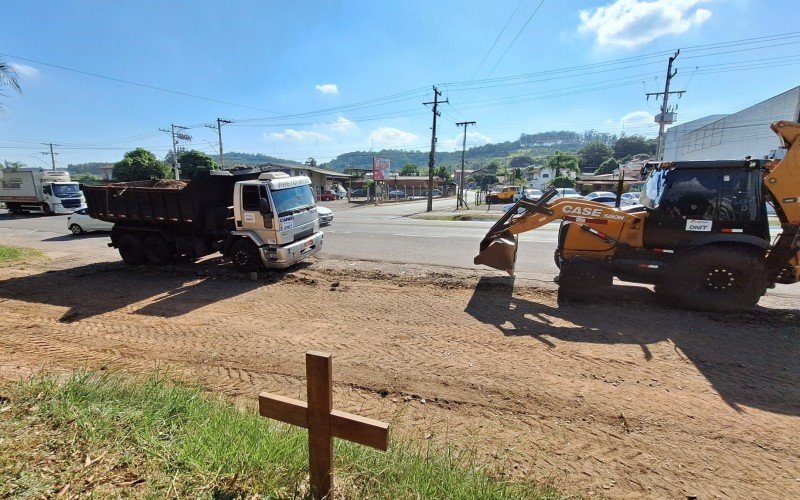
x: 498, y: 249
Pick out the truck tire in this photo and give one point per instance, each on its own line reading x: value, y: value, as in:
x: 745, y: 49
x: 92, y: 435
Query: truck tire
x: 157, y: 251
x: 716, y: 279
x: 46, y: 209
x: 131, y: 250
x: 245, y: 256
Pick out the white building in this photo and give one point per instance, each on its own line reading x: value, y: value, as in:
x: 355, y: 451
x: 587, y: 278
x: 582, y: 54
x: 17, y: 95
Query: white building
x: 734, y: 136
x: 539, y: 176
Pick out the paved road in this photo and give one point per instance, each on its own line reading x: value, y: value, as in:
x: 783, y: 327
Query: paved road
x: 364, y: 232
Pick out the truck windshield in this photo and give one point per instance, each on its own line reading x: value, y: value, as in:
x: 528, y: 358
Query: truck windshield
x: 66, y: 190
x: 291, y: 200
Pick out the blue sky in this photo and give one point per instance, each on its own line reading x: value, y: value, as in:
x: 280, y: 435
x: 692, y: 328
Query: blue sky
x: 318, y: 79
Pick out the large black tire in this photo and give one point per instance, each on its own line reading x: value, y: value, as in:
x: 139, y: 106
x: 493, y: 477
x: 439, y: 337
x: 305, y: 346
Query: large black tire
x: 245, y: 256
x: 131, y: 250
x: 76, y: 229
x: 582, y: 282
x: 716, y: 278
x: 157, y: 251
x: 47, y: 210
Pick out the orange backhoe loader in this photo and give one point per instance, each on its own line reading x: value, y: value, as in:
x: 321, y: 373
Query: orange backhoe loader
x: 701, y: 234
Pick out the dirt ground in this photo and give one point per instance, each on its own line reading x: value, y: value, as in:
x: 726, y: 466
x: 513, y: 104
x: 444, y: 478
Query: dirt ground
x: 623, y: 398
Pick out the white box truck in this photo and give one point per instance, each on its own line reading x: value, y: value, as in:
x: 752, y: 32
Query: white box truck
x: 49, y: 191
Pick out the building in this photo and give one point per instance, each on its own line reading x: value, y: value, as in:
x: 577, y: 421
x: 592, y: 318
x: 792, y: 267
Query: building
x: 320, y: 178
x: 457, y: 175
x: 539, y: 176
x: 632, y: 179
x: 107, y: 173
x: 735, y: 136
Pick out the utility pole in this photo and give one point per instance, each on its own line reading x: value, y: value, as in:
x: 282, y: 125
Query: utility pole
x: 431, y: 158
x: 461, y: 200
x: 51, y: 153
x: 218, y: 128
x: 666, y: 116
x: 175, y: 137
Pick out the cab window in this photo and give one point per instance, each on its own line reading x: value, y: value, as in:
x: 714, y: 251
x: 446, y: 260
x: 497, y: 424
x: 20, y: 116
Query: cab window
x: 250, y: 198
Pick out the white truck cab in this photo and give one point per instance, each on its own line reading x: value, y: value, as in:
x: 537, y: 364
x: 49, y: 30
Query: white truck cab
x: 50, y: 191
x: 278, y: 214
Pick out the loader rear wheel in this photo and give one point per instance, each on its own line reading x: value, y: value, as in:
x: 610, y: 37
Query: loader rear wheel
x: 582, y: 282
x: 157, y: 250
x: 716, y: 279
x: 245, y: 256
x: 131, y: 250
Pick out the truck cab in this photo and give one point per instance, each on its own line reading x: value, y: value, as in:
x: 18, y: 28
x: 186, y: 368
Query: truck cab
x: 277, y: 214
x: 49, y: 191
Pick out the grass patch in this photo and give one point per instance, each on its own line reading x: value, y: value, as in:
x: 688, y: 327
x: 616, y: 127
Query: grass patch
x: 111, y: 435
x: 458, y: 217
x: 15, y: 254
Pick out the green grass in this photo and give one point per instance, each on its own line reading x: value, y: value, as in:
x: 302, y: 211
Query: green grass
x: 109, y: 435
x: 13, y: 254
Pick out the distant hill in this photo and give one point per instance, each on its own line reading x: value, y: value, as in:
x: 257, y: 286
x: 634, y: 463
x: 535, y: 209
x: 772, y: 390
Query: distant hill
x: 253, y: 159
x: 87, y: 168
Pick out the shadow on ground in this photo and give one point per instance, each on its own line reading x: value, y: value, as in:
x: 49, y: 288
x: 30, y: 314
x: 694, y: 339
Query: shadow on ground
x: 750, y: 358
x: 104, y: 287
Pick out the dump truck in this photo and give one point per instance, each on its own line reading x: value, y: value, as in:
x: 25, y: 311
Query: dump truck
x: 258, y: 220
x: 37, y: 189
x: 701, y: 234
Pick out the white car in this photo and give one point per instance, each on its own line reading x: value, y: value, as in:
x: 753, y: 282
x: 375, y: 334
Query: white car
x: 529, y: 194
x: 632, y: 198
x: 567, y: 193
x: 595, y: 194
x: 325, y: 215
x: 80, y: 222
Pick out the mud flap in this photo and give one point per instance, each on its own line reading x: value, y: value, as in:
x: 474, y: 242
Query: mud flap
x: 499, y: 253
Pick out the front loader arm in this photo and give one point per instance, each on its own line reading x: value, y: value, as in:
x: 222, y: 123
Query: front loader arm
x: 498, y: 249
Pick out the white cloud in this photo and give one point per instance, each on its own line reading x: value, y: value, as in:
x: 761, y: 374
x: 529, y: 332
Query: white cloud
x: 25, y: 70
x: 290, y: 134
x: 342, y: 124
x: 388, y: 137
x: 635, y: 122
x: 456, y: 143
x: 637, y: 119
x: 328, y: 88
x: 630, y: 23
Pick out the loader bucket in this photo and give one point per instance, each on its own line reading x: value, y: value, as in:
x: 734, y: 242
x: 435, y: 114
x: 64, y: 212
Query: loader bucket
x: 499, y: 253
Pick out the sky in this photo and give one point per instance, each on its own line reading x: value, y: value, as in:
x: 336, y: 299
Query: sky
x: 307, y: 79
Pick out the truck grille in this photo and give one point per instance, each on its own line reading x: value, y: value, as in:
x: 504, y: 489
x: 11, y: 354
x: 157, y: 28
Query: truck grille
x: 304, y: 234
x: 73, y: 203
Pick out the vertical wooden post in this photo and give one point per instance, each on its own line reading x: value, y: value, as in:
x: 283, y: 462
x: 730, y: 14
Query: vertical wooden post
x: 319, y: 374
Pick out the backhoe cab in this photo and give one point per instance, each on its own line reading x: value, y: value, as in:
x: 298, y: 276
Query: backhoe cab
x: 701, y: 234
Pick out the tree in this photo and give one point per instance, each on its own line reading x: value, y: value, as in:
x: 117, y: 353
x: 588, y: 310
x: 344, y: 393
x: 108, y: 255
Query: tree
x: 517, y: 177
x: 443, y: 173
x: 13, y: 165
x: 409, y: 169
x: 140, y: 165
x: 89, y: 179
x: 194, y: 161
x: 564, y: 163
x: 8, y: 78
x: 634, y: 144
x: 311, y: 162
x: 521, y: 162
x: 593, y: 155
x: 492, y: 167
x: 607, y: 167
x: 562, y: 182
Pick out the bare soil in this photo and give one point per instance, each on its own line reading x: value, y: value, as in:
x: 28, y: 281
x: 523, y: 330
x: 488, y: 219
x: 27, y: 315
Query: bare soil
x: 620, y: 398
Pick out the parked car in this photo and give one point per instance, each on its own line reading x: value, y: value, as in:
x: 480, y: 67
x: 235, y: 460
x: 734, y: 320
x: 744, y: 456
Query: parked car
x: 358, y: 193
x: 567, y: 193
x: 632, y: 197
x: 397, y: 194
x: 595, y: 194
x: 340, y: 192
x: 327, y: 195
x: 529, y: 194
x: 612, y: 201
x: 436, y: 192
x: 80, y: 222
x: 325, y: 215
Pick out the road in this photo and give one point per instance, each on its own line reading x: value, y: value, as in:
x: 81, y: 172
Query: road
x: 363, y: 232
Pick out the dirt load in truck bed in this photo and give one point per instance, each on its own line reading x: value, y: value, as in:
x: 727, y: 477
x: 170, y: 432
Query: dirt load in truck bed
x: 623, y: 398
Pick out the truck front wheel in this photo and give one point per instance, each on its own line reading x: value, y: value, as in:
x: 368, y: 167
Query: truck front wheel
x: 131, y: 250
x: 245, y: 256
x: 157, y: 250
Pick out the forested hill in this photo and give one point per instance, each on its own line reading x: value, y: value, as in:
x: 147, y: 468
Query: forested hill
x: 530, y: 144
x: 253, y: 159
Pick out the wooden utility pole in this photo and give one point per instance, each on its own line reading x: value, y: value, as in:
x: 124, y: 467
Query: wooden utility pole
x: 461, y: 200
x: 665, y: 117
x: 218, y: 128
x: 52, y: 154
x: 431, y: 158
x: 323, y: 422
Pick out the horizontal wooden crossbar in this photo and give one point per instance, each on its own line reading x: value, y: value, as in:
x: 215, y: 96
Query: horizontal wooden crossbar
x: 343, y: 425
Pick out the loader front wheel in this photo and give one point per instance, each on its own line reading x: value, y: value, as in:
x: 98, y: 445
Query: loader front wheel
x: 716, y: 279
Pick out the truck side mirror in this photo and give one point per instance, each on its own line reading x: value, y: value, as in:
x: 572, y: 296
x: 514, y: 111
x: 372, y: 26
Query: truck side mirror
x: 263, y: 206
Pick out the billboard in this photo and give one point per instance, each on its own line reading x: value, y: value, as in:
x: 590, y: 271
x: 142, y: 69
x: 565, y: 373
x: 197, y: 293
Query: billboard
x: 380, y: 169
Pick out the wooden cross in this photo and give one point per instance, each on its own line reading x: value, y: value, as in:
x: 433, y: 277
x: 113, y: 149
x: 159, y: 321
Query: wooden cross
x: 323, y: 422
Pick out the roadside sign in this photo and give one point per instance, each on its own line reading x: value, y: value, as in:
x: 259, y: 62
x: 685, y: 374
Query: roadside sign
x: 380, y: 169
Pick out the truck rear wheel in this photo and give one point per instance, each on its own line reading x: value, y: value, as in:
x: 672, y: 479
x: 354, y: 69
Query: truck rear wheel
x: 157, y: 250
x: 131, y: 250
x: 716, y: 279
x: 245, y: 256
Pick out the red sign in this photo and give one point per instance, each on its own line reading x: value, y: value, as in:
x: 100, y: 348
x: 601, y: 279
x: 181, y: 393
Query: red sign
x: 380, y: 169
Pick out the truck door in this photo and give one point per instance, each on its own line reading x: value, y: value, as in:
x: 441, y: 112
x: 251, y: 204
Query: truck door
x: 252, y: 217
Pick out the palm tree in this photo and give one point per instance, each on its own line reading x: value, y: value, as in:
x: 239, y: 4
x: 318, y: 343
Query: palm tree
x: 8, y: 78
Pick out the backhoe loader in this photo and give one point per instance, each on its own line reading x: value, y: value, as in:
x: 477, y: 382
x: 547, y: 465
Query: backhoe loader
x: 700, y: 234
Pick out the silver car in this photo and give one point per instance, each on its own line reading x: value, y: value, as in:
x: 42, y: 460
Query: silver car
x: 80, y: 222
